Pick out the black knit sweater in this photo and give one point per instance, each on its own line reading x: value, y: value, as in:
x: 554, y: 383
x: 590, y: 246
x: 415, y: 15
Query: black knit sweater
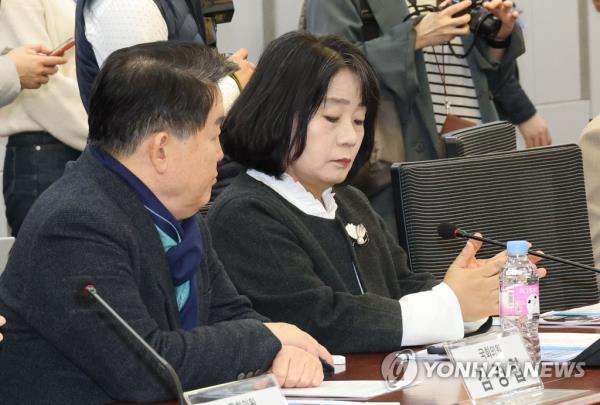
x: 298, y: 268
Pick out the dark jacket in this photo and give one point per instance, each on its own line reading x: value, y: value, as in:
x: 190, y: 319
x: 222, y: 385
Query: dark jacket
x: 184, y: 22
x: 297, y: 268
x: 61, y: 348
x: 512, y: 102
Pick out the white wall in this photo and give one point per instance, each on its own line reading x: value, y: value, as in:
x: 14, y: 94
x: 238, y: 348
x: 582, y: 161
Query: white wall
x: 256, y: 22
x: 554, y: 70
x: 245, y: 29
x: 286, y: 14
x: 594, y: 58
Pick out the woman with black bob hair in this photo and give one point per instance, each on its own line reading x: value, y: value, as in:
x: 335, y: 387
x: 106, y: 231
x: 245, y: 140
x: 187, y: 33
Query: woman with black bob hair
x: 304, y: 247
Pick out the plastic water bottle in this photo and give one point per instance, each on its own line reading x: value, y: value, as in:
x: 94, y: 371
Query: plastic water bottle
x: 519, y: 297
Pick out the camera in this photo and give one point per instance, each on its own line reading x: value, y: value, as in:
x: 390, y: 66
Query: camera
x: 483, y: 23
x: 215, y: 12
x: 221, y: 11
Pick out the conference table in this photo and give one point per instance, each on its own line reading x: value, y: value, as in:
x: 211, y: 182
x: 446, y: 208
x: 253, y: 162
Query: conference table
x: 438, y: 390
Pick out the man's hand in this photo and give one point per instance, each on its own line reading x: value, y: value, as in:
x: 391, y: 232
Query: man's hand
x: 290, y: 335
x: 294, y: 367
x: 535, y: 132
x: 2, y: 322
x: 476, y: 282
x: 246, y: 68
x: 506, y: 14
x: 34, y: 66
x: 440, y: 27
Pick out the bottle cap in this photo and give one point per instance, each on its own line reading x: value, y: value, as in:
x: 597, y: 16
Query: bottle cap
x: 517, y: 247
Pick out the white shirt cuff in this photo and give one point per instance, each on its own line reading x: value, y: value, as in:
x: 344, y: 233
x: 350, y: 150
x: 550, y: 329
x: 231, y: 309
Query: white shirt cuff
x: 230, y: 92
x: 431, y: 316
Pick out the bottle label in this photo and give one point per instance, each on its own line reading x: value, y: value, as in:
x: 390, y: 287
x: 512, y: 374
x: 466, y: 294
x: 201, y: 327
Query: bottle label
x: 520, y: 299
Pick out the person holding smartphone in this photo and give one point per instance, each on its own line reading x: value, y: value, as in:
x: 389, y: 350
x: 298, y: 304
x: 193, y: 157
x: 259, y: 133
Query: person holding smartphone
x: 48, y: 127
x: 26, y: 67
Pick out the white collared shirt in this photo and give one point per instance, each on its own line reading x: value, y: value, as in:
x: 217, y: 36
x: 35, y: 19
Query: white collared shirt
x: 428, y: 316
x: 295, y: 193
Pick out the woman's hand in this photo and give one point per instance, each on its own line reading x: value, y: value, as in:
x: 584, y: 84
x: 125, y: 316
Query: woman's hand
x: 505, y: 12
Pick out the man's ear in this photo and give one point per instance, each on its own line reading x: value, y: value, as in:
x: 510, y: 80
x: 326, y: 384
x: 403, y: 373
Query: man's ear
x: 159, y: 145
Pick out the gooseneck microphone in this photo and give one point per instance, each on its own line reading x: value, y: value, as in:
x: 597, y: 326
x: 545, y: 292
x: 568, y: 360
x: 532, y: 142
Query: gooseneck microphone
x: 89, y: 290
x: 447, y: 230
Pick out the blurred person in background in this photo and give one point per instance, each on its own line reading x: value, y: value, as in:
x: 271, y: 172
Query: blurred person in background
x: 46, y: 128
x: 589, y: 142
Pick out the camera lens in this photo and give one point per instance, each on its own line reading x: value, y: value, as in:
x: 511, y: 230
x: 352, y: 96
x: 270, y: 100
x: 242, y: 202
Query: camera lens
x: 484, y: 23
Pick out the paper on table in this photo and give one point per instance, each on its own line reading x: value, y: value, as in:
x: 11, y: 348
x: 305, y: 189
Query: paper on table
x: 583, y: 316
x: 359, y: 390
x: 333, y: 402
x: 560, y: 347
x: 588, y: 308
x: 555, y: 347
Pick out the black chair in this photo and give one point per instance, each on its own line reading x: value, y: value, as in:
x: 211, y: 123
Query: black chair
x: 492, y: 137
x: 534, y: 194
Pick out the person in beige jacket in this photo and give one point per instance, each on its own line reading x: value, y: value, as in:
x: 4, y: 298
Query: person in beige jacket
x: 47, y: 127
x: 590, y: 149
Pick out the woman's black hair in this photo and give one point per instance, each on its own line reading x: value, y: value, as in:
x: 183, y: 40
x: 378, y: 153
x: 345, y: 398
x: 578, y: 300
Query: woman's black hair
x: 266, y: 128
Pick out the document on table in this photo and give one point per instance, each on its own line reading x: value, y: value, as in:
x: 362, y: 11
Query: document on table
x: 562, y: 347
x: 330, y: 402
x: 346, y: 390
x: 583, y: 316
x: 555, y: 347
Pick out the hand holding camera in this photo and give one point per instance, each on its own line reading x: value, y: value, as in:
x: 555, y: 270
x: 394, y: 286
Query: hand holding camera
x: 491, y: 20
x: 440, y: 27
x: 504, y: 11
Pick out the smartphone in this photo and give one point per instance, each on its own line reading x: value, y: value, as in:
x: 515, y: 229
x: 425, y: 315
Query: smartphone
x: 64, y: 47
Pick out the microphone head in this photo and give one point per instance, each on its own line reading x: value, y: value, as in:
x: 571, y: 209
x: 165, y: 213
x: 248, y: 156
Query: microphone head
x: 79, y: 288
x: 89, y: 290
x: 83, y: 286
x: 447, y: 230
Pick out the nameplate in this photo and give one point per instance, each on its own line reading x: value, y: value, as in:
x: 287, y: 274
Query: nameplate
x: 493, y: 364
x: 262, y: 390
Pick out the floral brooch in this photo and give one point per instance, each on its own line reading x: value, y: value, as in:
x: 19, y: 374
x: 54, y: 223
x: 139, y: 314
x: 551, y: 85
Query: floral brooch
x: 358, y: 233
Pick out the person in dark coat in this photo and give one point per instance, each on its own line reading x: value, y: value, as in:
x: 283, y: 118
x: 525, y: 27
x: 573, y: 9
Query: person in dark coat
x: 123, y: 218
